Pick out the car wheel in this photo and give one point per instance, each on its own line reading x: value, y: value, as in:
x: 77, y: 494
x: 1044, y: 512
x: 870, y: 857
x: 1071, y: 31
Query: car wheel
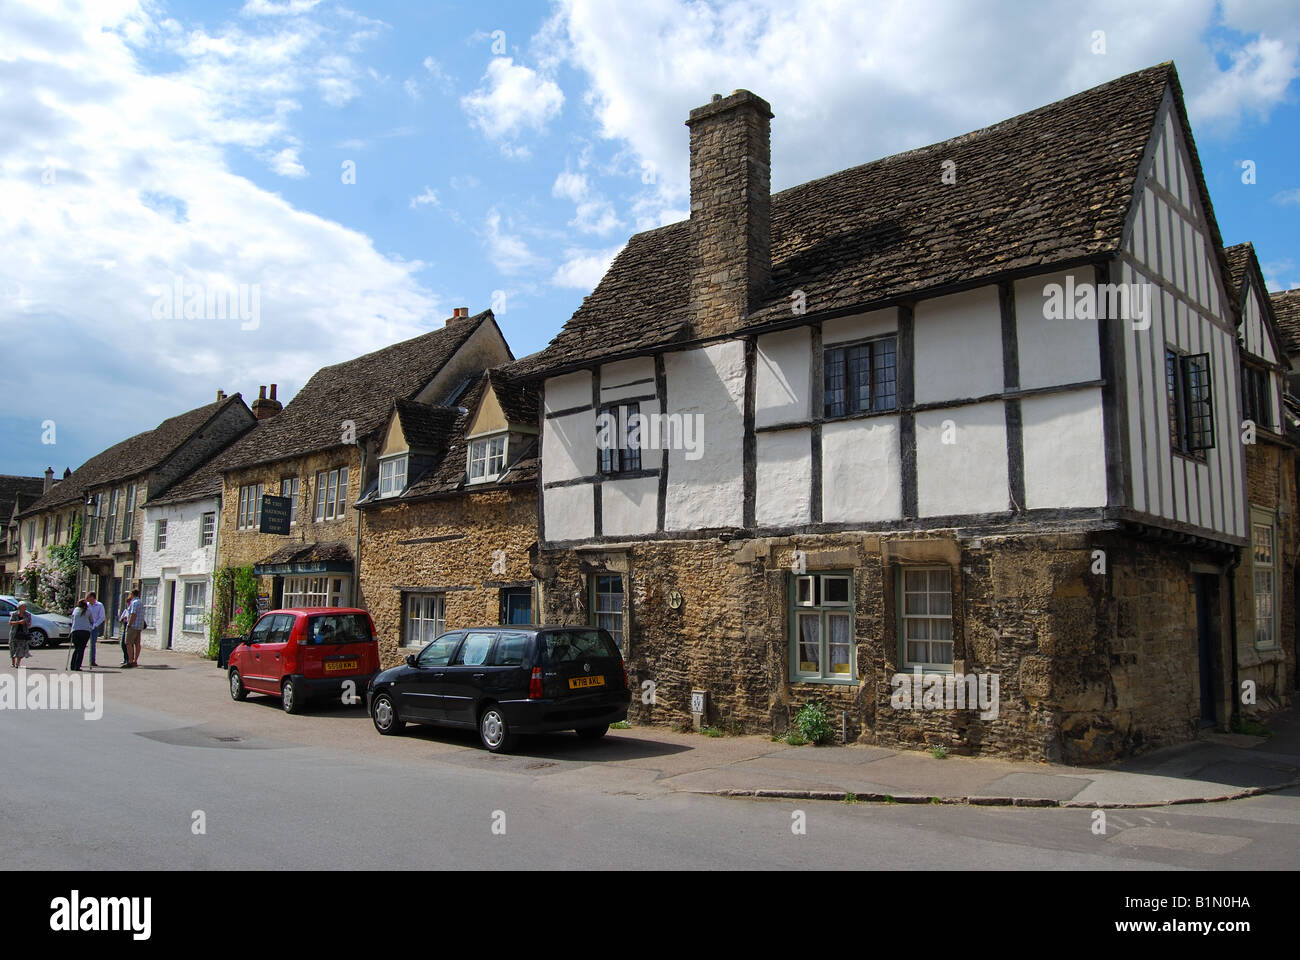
x: 493, y: 730
x: 37, y: 639
x: 292, y: 696
x: 237, y: 689
x: 592, y: 733
x: 384, y: 714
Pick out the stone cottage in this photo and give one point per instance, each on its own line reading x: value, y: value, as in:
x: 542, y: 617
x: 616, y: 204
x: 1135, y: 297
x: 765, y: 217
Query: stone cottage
x: 16, y: 493
x: 111, y: 489
x: 449, y: 532
x: 321, y: 452
x: 961, y: 413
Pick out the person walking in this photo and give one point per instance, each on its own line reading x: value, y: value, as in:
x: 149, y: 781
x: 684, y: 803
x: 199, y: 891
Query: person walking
x: 134, y: 624
x: 80, y: 631
x: 20, y: 625
x: 97, y: 618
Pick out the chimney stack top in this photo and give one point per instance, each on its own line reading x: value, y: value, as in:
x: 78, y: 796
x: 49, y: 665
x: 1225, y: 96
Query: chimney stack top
x: 262, y: 407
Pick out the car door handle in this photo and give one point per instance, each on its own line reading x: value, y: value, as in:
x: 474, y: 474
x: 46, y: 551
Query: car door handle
x: 438, y: 676
x: 479, y: 676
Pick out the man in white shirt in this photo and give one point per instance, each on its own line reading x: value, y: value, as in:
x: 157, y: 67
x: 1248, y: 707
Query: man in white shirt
x: 97, y: 618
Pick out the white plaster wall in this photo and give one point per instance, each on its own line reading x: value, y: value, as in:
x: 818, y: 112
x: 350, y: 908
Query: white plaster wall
x: 570, y: 512
x: 1053, y: 352
x: 861, y: 471
x: 1065, y: 451
x: 781, y: 377
x: 629, y: 507
x: 783, y: 493
x: 709, y: 491
x: 569, y: 446
x: 569, y: 391
x: 958, y: 342
x: 182, y: 560
x: 861, y: 327
x: 969, y: 475
x: 627, y: 378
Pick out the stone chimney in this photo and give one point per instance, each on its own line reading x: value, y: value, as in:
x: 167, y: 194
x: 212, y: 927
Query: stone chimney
x: 49, y: 479
x: 459, y: 313
x: 221, y: 395
x: 264, y: 408
x: 731, y: 201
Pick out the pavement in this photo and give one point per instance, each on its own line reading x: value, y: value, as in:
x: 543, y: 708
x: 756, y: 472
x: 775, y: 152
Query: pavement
x: 1215, y: 768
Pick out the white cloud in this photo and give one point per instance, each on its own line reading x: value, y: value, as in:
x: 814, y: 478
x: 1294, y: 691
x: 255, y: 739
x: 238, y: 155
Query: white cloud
x: 594, y: 213
x: 429, y: 198
x: 1288, y: 197
x: 852, y: 82
x: 583, y: 269
x: 286, y: 163
x: 505, y: 248
x: 262, y: 8
x: 92, y: 250
x: 512, y: 99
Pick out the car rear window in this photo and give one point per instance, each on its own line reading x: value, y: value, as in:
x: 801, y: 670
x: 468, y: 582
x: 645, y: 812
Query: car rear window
x: 510, y: 649
x: 569, y: 645
x: 339, y: 628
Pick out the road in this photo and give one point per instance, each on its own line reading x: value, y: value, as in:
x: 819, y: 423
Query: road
x: 172, y: 753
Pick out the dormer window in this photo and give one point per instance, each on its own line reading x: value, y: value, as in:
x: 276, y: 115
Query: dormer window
x: 392, y: 475
x: 487, y: 458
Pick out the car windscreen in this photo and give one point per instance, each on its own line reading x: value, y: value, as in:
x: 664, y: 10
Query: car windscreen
x: 338, y: 628
x: 569, y: 645
x: 35, y: 609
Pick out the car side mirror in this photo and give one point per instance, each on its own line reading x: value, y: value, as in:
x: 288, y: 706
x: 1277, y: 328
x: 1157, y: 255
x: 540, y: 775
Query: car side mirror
x: 410, y: 659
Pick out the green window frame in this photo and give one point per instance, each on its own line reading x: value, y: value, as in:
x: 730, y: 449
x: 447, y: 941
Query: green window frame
x: 822, y: 630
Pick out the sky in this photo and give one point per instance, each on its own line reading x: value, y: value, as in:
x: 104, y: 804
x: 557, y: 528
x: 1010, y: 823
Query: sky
x: 202, y: 195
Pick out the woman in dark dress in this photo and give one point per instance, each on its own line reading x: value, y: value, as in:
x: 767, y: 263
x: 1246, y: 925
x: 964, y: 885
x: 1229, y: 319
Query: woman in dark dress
x: 20, y: 623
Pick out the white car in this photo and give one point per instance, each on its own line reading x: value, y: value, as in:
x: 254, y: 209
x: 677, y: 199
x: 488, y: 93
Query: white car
x: 48, y: 629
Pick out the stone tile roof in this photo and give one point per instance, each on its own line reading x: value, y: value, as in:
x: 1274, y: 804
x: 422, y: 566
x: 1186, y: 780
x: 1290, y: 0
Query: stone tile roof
x: 361, y: 390
x: 1286, y: 308
x: 329, y: 551
x: 22, y: 490
x: 1238, y: 259
x: 203, y: 482
x: 132, y: 457
x: 1043, y: 188
x: 426, y: 427
x: 518, y: 400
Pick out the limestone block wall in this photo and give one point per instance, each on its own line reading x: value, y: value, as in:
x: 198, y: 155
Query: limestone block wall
x: 1090, y: 665
x: 448, y: 545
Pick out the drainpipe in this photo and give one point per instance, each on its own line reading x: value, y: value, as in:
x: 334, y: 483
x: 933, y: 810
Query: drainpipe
x: 1232, y: 620
x: 356, y: 554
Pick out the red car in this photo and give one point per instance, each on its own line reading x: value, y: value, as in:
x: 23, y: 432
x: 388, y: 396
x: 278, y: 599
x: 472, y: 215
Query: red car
x: 304, y: 652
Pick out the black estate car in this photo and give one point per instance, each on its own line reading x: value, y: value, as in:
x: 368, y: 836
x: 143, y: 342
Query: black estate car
x: 507, y: 681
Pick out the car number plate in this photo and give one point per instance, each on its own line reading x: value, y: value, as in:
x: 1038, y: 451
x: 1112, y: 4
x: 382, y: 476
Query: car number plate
x: 578, y: 683
x: 340, y: 665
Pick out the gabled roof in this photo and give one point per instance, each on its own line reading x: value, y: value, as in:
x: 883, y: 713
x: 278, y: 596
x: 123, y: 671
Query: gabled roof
x: 447, y: 474
x: 20, y: 490
x: 133, y: 457
x: 1048, y: 187
x: 201, y: 483
x: 360, y: 390
x: 425, y: 427
x: 1243, y: 266
x: 1286, y: 308
x: 518, y: 401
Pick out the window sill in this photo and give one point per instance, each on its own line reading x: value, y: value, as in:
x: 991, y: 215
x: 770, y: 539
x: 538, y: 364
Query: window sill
x: 826, y: 681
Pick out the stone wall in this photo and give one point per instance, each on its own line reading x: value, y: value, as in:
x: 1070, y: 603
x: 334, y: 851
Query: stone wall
x: 1091, y: 665
x: 448, y: 545
x: 240, y: 548
x: 1271, y: 487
